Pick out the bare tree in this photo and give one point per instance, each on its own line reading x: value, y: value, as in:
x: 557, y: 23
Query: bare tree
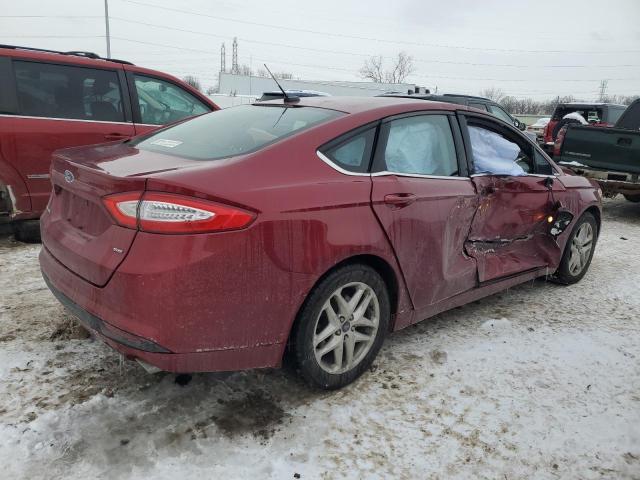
x: 374, y: 70
x: 493, y: 93
x: 193, y: 81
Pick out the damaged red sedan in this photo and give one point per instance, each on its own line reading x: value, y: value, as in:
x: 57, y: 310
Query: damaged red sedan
x: 312, y: 226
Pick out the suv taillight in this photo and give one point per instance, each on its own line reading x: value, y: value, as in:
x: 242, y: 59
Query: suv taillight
x: 169, y: 213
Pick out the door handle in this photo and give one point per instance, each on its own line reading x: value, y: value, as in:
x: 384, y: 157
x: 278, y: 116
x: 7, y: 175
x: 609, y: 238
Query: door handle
x: 624, y: 141
x: 399, y: 199
x: 115, y: 136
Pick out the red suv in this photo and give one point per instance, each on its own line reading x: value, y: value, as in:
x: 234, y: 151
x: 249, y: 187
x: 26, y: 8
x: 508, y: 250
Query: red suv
x: 50, y: 100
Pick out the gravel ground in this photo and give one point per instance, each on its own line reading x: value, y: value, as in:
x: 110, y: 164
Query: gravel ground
x: 540, y: 381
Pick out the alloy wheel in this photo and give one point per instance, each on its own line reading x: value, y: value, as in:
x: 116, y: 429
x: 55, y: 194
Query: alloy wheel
x: 346, y: 327
x: 581, y: 246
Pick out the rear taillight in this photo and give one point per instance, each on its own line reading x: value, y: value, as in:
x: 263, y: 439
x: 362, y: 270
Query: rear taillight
x: 557, y: 145
x: 168, y: 213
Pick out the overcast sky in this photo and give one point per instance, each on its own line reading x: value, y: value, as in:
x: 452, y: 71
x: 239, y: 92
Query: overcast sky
x: 536, y: 48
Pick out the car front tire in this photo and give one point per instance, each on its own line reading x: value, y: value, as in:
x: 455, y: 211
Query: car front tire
x: 578, y: 251
x: 341, y: 327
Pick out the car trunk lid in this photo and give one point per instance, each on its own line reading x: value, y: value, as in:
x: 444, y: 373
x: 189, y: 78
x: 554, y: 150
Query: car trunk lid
x: 77, y: 228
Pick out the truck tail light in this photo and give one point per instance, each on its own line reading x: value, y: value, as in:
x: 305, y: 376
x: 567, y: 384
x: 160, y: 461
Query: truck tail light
x: 169, y: 213
x: 557, y: 145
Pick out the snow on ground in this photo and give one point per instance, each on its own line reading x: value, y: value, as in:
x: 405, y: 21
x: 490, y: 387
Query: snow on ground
x: 541, y: 381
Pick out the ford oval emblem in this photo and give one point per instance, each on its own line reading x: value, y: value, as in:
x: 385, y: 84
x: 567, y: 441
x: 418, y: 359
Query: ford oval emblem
x: 68, y: 176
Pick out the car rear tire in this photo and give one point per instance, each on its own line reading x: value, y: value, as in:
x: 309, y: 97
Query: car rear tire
x: 635, y: 198
x: 341, y: 327
x: 27, y: 231
x: 578, y: 252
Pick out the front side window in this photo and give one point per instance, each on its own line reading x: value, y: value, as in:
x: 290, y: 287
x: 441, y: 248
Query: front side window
x: 421, y: 145
x: 234, y: 131
x: 162, y: 102
x: 495, y: 154
x: 62, y: 91
x: 352, y: 153
x: 543, y: 166
x: 501, y: 114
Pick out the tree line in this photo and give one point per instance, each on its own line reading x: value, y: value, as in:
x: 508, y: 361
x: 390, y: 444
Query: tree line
x: 529, y: 106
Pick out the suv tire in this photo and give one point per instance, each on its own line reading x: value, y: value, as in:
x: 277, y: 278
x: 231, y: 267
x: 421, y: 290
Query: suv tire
x: 27, y: 231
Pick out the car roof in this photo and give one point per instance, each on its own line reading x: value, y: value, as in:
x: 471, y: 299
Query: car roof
x: 444, y: 97
x: 68, y: 56
x: 368, y: 104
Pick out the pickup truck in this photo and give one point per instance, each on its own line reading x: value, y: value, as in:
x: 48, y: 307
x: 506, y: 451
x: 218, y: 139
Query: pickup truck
x: 611, y: 156
x: 597, y: 114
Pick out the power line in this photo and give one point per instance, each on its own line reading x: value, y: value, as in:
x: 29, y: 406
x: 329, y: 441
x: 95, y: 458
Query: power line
x: 51, y: 36
x: 51, y: 16
x: 324, y: 67
x: 366, y: 55
x: 369, y: 39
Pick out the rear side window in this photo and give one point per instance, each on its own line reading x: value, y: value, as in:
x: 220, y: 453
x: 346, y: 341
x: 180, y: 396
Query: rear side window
x: 62, y: 91
x: 163, y: 102
x: 234, y: 131
x: 421, y: 144
x: 352, y: 152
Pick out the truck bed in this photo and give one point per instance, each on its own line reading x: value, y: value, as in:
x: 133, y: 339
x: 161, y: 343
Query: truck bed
x: 611, y: 149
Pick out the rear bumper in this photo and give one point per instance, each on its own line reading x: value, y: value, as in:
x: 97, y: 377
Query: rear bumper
x: 83, y: 300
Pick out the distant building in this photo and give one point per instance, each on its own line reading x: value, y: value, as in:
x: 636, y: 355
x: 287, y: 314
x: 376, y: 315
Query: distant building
x: 231, y: 84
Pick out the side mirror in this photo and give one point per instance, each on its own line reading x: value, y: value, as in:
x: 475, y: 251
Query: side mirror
x: 519, y: 125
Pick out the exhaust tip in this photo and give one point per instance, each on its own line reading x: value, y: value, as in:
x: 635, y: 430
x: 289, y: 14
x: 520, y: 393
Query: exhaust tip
x: 151, y: 369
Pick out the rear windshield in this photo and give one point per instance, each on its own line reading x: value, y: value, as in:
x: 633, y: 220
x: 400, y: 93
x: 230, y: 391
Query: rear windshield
x: 590, y: 114
x: 234, y: 131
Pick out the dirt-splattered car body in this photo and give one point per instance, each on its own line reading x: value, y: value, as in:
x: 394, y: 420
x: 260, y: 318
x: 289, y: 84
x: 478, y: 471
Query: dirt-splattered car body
x: 227, y: 299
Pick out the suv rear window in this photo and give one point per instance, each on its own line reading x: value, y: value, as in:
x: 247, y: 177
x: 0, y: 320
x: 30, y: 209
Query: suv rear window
x: 234, y: 131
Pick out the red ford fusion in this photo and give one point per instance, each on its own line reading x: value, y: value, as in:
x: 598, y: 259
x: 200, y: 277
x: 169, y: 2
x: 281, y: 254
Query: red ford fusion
x: 311, y: 226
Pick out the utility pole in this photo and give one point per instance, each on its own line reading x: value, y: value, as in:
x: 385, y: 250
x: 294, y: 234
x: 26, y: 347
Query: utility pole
x: 106, y: 22
x: 603, y: 90
x: 223, y: 59
x: 234, y: 57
